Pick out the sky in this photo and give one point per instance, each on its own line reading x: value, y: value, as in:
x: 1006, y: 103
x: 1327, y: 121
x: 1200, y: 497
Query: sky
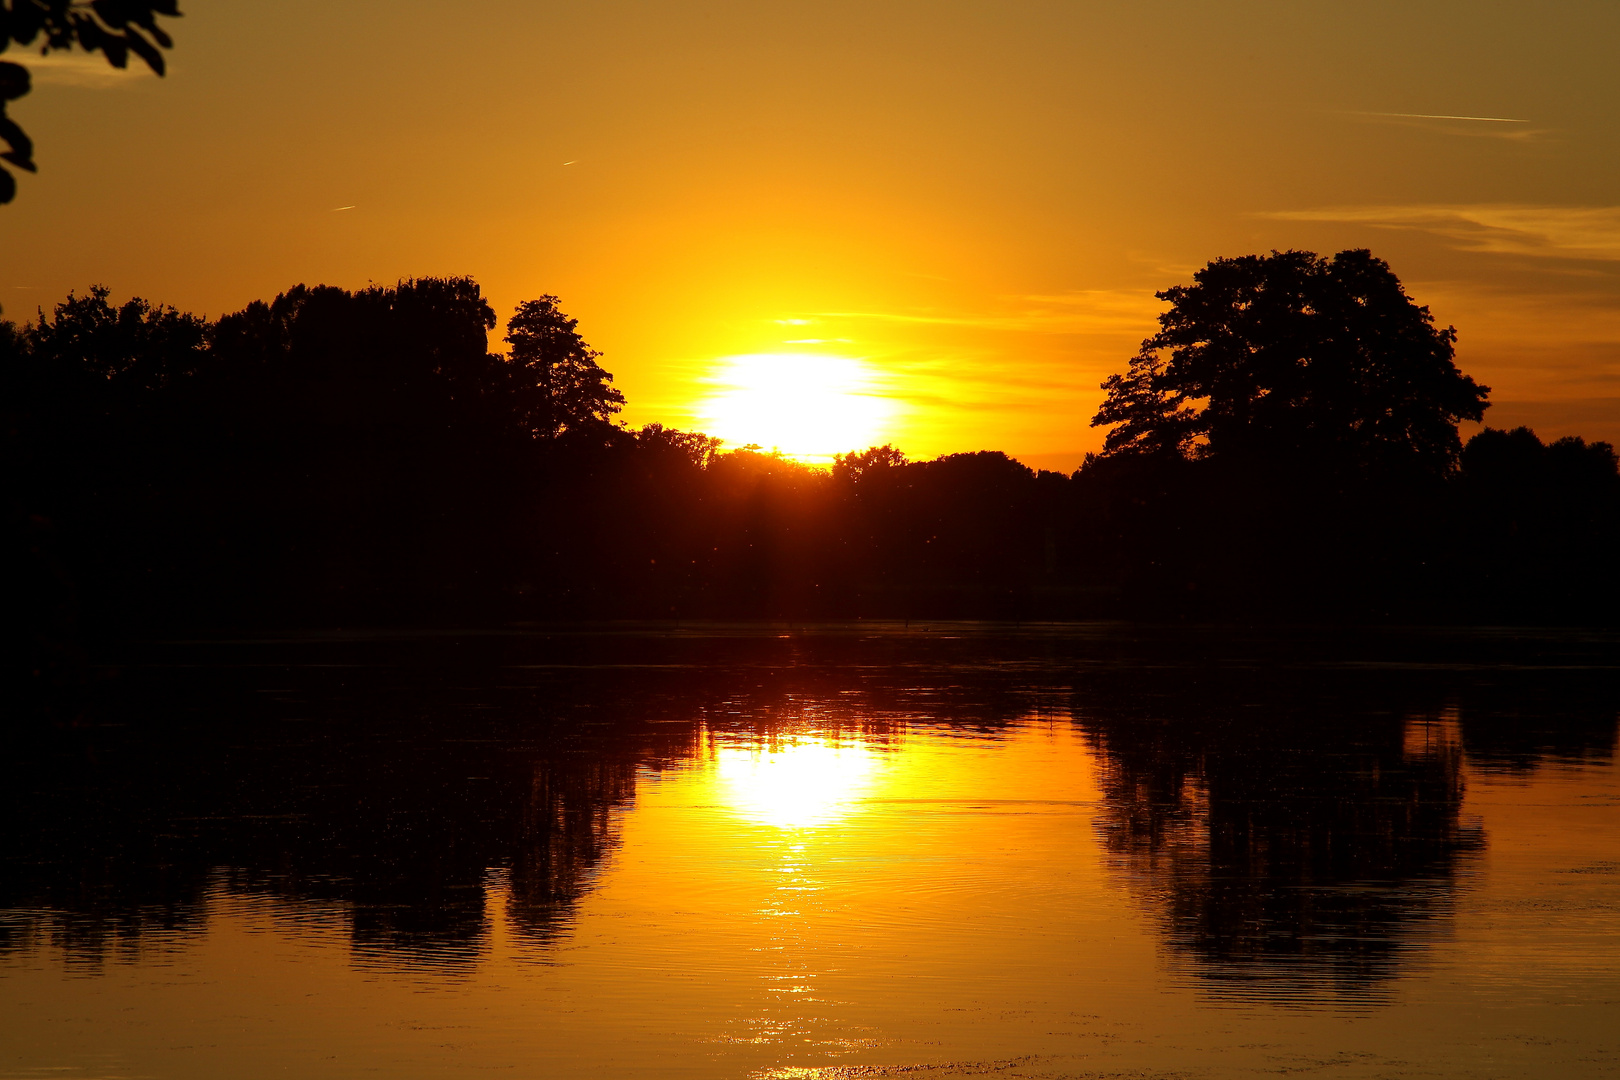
x: 823, y: 225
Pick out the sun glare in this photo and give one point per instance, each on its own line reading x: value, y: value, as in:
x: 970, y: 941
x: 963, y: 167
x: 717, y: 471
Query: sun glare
x: 798, y: 785
x: 806, y: 405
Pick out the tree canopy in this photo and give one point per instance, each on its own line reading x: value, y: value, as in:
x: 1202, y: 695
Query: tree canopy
x: 855, y: 465
x: 113, y: 28
x: 1295, y: 357
x: 561, y: 385
x: 130, y: 348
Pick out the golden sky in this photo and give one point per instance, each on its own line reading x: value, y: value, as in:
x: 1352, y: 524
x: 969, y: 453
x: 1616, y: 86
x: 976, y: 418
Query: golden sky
x: 942, y: 222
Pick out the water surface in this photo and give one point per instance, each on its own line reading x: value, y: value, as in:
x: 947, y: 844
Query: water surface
x: 821, y: 852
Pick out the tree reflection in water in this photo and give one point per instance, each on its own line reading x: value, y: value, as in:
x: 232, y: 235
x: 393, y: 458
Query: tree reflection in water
x: 373, y: 795
x: 1289, y: 827
x: 1274, y: 855
x: 566, y: 831
x: 1304, y: 830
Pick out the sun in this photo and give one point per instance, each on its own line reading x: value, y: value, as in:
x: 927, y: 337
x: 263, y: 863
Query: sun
x: 807, y: 405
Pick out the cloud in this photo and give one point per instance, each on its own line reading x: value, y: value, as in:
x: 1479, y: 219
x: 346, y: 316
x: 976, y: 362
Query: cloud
x: 1090, y: 311
x: 1562, y: 232
x: 1445, y: 116
x: 1488, y: 127
x: 79, y: 69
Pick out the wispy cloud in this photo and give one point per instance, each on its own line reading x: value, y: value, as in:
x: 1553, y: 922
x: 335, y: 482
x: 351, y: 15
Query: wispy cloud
x: 1092, y: 311
x: 1444, y: 116
x: 1563, y: 232
x: 1490, y: 127
x: 77, y: 69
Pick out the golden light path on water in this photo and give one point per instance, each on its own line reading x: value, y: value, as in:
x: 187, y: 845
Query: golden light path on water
x: 819, y: 863
x: 804, y: 783
x: 808, y: 406
x: 879, y: 898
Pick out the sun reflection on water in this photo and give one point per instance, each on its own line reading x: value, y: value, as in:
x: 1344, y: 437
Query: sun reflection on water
x: 801, y: 784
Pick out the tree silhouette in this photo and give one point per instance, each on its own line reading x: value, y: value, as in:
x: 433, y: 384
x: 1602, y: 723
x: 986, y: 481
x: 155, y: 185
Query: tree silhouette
x: 690, y: 448
x: 137, y: 345
x: 1539, y: 523
x: 335, y: 456
x: 853, y: 466
x: 110, y: 27
x: 561, y: 387
x: 1293, y: 356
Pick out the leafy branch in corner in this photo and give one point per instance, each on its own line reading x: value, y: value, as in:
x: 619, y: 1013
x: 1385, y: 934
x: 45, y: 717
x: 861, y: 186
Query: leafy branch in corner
x: 114, y: 28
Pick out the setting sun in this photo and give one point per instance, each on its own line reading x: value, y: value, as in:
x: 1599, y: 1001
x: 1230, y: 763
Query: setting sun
x: 810, y: 540
x: 806, y: 405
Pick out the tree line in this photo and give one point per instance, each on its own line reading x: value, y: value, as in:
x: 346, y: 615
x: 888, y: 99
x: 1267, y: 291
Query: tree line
x: 1285, y: 447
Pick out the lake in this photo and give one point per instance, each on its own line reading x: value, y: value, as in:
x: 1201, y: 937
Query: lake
x: 920, y: 850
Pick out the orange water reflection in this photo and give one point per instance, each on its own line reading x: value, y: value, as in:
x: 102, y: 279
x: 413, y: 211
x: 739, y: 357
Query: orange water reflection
x: 1009, y: 870
x: 828, y: 881
x: 795, y: 781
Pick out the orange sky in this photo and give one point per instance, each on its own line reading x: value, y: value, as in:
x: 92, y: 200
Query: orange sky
x: 973, y: 200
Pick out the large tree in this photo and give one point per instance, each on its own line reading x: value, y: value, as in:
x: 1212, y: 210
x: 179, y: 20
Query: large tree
x: 1290, y: 357
x: 114, y: 28
x: 560, y: 386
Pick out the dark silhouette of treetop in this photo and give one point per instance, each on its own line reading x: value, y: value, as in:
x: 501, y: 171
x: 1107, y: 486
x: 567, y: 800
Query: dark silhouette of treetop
x: 561, y: 387
x: 1291, y: 356
x: 105, y: 349
x: 110, y: 27
x: 853, y: 466
x: 692, y: 448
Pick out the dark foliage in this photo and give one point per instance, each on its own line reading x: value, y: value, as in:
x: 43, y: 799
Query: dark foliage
x: 114, y: 28
x: 1295, y: 358
x: 1288, y: 444
x: 1539, y: 525
x: 336, y: 457
x: 558, y: 381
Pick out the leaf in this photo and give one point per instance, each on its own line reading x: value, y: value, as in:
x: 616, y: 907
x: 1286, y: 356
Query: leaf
x: 22, y: 147
x: 25, y: 24
x: 145, y: 50
x: 8, y: 187
x: 14, y: 81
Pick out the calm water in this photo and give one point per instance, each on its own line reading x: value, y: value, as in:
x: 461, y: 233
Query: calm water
x: 837, y: 852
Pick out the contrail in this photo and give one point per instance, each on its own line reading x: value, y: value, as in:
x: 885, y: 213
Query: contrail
x: 1438, y: 116
x: 575, y: 162
x: 335, y: 209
